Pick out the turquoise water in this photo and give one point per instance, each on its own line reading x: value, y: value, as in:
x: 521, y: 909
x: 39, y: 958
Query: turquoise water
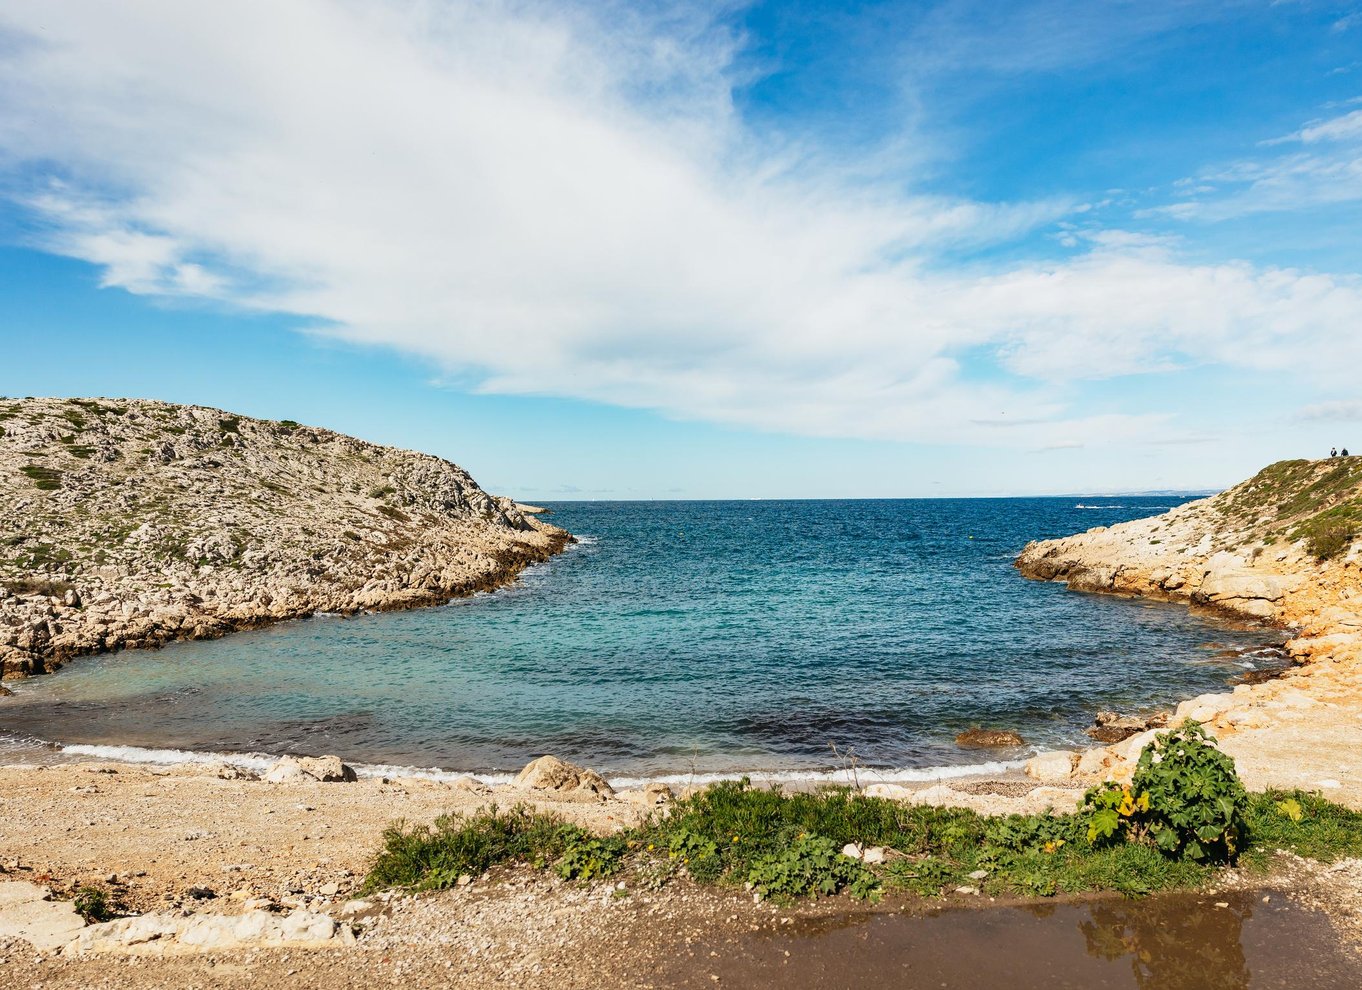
x: 682, y: 637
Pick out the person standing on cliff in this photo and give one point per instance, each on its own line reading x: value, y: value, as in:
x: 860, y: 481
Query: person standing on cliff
x: 1343, y: 452
x: 1333, y: 451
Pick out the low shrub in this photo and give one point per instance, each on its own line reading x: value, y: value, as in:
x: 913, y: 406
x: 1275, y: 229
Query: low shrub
x: 587, y: 858
x: 92, y: 904
x: 1196, y: 800
x: 435, y: 858
x: 811, y: 866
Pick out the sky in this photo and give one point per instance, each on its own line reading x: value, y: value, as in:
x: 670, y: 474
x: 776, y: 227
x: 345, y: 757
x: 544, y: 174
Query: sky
x: 704, y: 250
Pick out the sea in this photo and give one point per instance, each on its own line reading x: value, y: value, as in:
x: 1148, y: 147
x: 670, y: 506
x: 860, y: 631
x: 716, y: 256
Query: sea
x: 682, y: 640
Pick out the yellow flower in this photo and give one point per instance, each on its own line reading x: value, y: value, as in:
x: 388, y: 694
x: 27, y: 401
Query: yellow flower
x: 735, y: 838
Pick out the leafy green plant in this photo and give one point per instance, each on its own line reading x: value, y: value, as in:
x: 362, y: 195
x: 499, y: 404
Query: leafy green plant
x: 697, y: 853
x: 587, y: 858
x: 1196, y: 800
x: 1114, y: 812
x: 92, y: 904
x: 812, y: 866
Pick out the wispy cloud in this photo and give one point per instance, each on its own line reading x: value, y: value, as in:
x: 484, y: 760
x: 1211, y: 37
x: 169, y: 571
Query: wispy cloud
x: 540, y: 205
x: 1322, y: 166
x: 1338, y: 411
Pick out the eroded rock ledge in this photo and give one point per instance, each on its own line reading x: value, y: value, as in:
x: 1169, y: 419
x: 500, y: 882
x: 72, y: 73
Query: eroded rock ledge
x: 1279, y: 549
x: 131, y: 523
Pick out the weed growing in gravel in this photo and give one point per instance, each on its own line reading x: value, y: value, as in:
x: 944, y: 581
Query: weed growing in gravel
x: 435, y: 857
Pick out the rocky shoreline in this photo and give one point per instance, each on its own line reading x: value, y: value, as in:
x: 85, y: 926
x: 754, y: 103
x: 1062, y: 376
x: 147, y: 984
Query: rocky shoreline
x: 128, y: 524
x: 1275, y: 550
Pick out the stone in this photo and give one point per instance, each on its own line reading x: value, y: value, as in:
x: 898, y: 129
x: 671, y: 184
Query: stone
x: 1053, y: 765
x: 650, y: 795
x: 329, y: 889
x: 169, y: 935
x: 988, y: 738
x: 1203, y: 707
x: 563, y: 780
x: 328, y: 769
x: 289, y: 771
x: 890, y: 792
x: 309, y: 769
x: 1111, y: 727
x: 5, y: 692
x: 470, y: 784
x: 28, y: 912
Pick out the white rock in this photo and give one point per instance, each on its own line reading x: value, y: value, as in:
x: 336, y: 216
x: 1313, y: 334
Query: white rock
x: 1054, y: 765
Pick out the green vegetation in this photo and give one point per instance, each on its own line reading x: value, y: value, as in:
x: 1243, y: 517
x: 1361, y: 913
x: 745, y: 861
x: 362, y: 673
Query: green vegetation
x: 47, y: 479
x: 1191, y: 802
x: 230, y: 424
x: 434, y: 858
x: 1183, y: 818
x: 394, y: 513
x: 92, y: 904
x: 382, y: 492
x: 1318, y: 502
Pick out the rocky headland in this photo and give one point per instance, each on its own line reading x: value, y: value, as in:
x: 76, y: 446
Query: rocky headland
x: 1277, y: 549
x: 131, y: 523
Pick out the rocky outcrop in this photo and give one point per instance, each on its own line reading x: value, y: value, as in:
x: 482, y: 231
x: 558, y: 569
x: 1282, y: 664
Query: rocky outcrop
x: 310, y: 770
x: 564, y: 781
x: 977, y: 738
x: 1277, y: 549
x: 131, y: 523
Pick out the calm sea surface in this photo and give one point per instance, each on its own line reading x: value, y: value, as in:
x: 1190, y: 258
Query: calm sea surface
x: 684, y: 637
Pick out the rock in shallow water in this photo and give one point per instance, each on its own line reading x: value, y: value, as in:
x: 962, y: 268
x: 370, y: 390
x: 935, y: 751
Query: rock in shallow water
x: 989, y: 738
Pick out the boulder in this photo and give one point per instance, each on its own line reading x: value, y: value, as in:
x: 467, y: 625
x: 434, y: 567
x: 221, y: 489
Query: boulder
x: 650, y: 795
x: 989, y: 738
x: 289, y: 771
x: 564, y: 781
x: 470, y: 784
x: 1054, y: 765
x: 310, y: 769
x: 328, y: 769
x: 1111, y: 727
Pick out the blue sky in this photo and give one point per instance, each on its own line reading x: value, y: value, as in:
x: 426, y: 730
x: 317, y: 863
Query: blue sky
x: 704, y: 250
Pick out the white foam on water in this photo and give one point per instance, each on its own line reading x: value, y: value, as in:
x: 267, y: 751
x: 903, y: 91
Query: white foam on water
x: 258, y: 762
x: 262, y: 762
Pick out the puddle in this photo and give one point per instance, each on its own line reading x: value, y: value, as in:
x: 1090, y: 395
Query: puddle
x: 1173, y: 942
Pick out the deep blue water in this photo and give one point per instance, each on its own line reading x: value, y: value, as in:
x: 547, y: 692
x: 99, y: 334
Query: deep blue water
x: 681, y: 636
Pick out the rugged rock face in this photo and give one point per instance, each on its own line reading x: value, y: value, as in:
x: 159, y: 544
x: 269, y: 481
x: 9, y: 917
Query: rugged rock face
x: 1273, y: 548
x: 1280, y: 548
x: 130, y: 523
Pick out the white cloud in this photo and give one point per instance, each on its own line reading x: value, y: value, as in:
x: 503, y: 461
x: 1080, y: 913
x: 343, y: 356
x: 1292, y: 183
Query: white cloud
x: 1337, y: 411
x: 1327, y: 171
x: 542, y: 202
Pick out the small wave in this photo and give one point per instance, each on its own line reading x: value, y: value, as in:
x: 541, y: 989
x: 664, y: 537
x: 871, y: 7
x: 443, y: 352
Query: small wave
x: 865, y: 775
x: 586, y: 540
x: 1116, y: 505
x: 262, y: 762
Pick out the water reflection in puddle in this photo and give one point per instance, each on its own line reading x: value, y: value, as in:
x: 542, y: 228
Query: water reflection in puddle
x: 1175, y: 942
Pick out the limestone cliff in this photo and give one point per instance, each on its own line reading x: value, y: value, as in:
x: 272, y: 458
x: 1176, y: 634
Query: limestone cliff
x: 1280, y: 548
x: 127, y: 523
